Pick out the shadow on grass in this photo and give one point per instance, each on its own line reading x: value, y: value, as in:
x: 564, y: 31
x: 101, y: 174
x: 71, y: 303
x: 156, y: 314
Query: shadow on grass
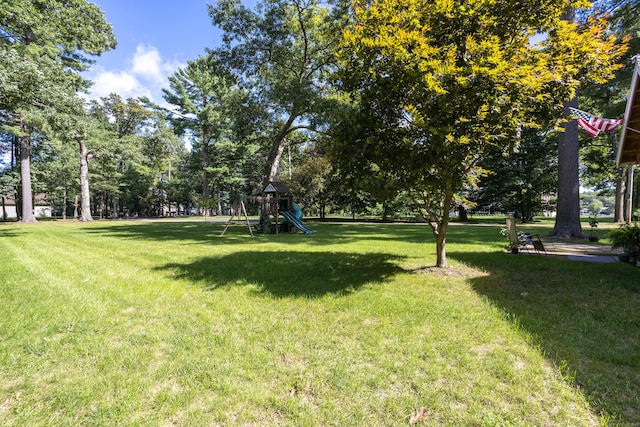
x: 10, y: 232
x: 583, y: 315
x: 289, y: 274
x: 325, y: 233
x: 198, y: 231
x: 210, y: 232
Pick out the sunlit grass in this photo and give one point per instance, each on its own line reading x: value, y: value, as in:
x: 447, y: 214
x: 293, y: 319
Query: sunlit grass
x: 136, y: 323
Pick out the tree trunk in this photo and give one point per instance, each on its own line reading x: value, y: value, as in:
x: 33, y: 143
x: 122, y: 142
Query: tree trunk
x: 114, y: 203
x: 4, y: 209
x: 273, y: 162
x: 102, y: 205
x: 25, y: 177
x: 277, y: 148
x: 567, y: 223
x: 441, y: 250
x: 219, y: 206
x: 64, y: 204
x: 85, y: 202
x: 621, y: 188
x: 439, y: 230
x: 385, y: 211
x: 15, y: 155
x: 462, y: 213
x: 206, y: 193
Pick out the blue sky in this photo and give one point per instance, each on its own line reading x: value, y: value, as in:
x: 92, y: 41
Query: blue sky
x: 155, y: 38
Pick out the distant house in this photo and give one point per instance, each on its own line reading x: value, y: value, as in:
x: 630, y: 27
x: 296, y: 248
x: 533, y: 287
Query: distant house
x: 8, y: 209
x: 41, y: 209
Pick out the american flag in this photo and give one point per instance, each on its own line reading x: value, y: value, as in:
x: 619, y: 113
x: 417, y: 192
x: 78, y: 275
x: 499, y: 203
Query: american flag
x: 593, y: 125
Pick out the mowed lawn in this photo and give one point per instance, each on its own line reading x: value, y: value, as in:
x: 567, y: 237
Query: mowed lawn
x: 169, y: 324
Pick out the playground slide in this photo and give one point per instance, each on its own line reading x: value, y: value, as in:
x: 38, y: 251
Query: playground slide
x: 297, y: 211
x: 295, y: 219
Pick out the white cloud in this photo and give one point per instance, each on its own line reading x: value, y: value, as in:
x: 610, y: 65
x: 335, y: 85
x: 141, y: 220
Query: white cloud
x: 147, y: 64
x: 145, y: 74
x: 123, y: 83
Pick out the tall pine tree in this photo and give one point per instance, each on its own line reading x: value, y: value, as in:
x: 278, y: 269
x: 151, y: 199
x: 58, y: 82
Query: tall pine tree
x: 43, y: 47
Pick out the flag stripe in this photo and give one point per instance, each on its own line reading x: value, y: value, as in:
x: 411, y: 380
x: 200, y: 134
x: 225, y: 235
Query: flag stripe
x: 591, y: 130
x: 593, y: 125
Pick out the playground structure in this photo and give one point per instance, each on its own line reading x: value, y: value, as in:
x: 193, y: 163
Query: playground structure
x: 239, y: 209
x: 278, y: 212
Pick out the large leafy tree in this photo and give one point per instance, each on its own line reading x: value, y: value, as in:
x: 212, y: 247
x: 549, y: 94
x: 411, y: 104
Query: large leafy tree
x: 43, y: 47
x: 89, y: 134
x: 56, y: 169
x: 202, y: 95
x: 567, y: 222
x: 283, y: 50
x: 9, y: 180
x: 598, y: 155
x: 184, y: 185
x: 310, y: 180
x: 162, y: 152
x: 443, y: 81
x: 207, y: 104
x: 117, y: 142
x: 519, y: 181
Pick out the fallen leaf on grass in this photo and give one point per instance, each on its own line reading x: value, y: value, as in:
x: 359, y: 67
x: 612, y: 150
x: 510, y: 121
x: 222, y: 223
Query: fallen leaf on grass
x: 417, y: 415
x: 293, y: 391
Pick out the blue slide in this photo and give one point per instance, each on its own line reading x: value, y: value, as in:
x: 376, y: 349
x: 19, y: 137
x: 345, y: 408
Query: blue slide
x: 295, y: 218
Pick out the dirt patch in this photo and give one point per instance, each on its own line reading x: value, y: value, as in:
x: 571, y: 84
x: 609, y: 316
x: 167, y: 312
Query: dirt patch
x: 458, y: 271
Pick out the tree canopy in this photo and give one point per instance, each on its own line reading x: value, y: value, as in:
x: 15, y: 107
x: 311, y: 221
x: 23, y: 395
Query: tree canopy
x: 209, y: 105
x: 283, y: 52
x: 43, y: 47
x: 445, y: 83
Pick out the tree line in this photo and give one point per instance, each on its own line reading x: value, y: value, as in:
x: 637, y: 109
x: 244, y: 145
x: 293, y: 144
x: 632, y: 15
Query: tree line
x: 396, y: 105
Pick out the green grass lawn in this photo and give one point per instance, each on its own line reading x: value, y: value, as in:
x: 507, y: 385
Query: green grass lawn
x: 163, y: 324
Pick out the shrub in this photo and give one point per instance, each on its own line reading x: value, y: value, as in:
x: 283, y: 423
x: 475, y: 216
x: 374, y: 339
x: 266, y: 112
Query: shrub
x: 626, y: 237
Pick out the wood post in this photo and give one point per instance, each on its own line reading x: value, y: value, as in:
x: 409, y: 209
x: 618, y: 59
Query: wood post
x: 241, y: 209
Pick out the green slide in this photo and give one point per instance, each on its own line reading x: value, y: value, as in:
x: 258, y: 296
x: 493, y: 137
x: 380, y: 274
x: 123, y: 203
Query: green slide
x: 295, y: 218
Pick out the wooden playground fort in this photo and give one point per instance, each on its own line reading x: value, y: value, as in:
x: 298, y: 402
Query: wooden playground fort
x: 278, y: 213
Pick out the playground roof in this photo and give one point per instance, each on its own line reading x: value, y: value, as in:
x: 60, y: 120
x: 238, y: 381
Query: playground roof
x: 276, y: 187
x: 629, y: 147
